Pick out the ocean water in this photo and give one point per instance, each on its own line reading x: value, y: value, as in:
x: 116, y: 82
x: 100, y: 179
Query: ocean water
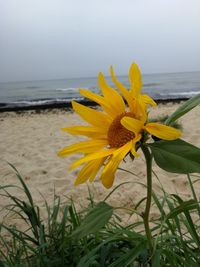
x: 158, y: 86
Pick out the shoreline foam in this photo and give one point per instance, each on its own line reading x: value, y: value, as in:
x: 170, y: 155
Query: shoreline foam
x: 42, y: 104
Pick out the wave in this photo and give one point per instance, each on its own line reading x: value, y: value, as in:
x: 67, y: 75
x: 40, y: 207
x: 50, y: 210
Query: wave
x: 66, y: 102
x: 38, y: 102
x: 67, y: 89
x: 150, y: 84
x: 33, y: 87
x: 190, y: 93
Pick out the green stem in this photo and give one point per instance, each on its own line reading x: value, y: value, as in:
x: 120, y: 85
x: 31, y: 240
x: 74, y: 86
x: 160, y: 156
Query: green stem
x: 148, y: 158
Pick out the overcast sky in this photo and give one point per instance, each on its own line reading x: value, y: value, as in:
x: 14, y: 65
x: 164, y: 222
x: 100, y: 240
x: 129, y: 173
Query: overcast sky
x: 48, y: 39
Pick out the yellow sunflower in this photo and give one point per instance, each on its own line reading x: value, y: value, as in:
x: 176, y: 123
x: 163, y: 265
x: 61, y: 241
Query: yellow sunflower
x: 114, y: 131
x: 138, y: 106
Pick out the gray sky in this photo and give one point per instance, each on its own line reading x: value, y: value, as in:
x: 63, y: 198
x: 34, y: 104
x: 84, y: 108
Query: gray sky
x: 48, y: 39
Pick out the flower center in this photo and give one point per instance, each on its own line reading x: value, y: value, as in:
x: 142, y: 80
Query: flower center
x: 118, y: 135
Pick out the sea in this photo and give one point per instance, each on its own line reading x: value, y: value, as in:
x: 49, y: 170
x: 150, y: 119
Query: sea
x: 60, y: 92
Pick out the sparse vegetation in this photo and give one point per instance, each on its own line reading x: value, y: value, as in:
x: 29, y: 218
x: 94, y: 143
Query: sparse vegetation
x: 96, y: 237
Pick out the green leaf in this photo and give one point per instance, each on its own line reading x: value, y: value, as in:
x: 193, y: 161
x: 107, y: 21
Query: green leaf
x: 157, y: 256
x: 94, y: 220
x: 176, y: 156
x: 183, y: 207
x: 128, y: 258
x: 186, y: 107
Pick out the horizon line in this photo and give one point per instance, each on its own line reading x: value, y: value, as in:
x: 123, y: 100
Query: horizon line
x: 89, y: 77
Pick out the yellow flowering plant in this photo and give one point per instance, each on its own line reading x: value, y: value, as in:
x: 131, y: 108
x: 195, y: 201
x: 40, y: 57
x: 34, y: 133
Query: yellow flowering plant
x: 122, y: 128
x: 115, y: 131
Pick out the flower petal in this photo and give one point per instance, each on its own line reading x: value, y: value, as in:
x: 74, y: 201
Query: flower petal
x: 99, y: 100
x: 140, y: 110
x: 126, y: 94
x: 116, y: 102
x: 132, y: 124
x: 134, y: 141
x: 88, y: 146
x: 97, y: 155
x: 89, y: 171
x: 135, y: 80
x: 162, y: 131
x: 93, y: 132
x: 108, y: 174
x: 148, y: 100
x: 92, y: 116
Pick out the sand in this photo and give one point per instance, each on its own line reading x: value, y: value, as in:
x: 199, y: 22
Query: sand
x: 30, y: 141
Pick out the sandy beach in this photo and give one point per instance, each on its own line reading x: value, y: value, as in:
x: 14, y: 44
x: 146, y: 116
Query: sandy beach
x: 30, y: 141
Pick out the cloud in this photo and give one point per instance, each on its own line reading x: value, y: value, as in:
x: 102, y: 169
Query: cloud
x: 63, y: 38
